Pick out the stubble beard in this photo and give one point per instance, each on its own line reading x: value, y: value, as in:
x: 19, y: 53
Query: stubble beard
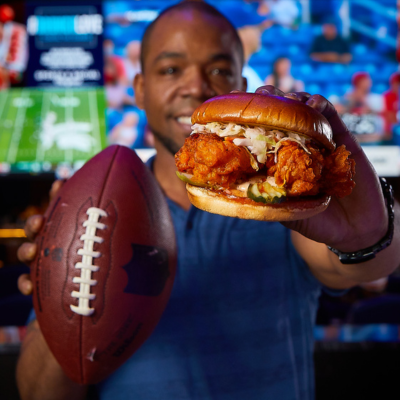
x: 167, y: 142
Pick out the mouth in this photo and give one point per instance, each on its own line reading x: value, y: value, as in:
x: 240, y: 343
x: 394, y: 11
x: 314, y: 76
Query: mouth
x: 185, y: 122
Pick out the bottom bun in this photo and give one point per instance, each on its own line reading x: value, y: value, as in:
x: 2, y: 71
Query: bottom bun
x: 245, y: 208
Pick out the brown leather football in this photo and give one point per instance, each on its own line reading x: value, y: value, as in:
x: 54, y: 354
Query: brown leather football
x: 105, y: 266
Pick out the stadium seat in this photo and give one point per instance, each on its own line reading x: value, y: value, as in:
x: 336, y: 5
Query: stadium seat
x: 263, y: 57
x: 380, y: 88
x: 263, y: 70
x: 313, y: 88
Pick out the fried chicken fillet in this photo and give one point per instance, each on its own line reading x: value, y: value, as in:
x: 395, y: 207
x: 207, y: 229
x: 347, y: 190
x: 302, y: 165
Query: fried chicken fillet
x: 218, y: 162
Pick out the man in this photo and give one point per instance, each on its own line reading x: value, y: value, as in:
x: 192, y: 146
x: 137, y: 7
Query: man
x: 330, y: 47
x: 239, y: 322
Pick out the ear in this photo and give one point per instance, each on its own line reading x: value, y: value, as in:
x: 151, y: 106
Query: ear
x: 138, y: 87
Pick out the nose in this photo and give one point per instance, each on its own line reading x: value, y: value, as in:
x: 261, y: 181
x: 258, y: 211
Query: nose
x: 196, y: 84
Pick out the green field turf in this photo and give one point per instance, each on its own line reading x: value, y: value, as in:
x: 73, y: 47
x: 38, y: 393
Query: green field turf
x: 52, y: 126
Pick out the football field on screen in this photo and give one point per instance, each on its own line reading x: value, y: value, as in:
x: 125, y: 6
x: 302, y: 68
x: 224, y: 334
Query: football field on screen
x: 51, y: 125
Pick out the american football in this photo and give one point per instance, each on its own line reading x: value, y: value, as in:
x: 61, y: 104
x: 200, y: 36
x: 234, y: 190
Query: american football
x: 105, y: 266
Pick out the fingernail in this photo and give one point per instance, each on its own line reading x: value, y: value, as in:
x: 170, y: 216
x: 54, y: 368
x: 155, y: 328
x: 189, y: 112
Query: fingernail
x: 311, y: 102
x: 31, y: 250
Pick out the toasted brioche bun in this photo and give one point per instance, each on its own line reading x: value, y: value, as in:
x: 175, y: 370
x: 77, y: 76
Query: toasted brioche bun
x: 271, y: 112
x: 231, y: 206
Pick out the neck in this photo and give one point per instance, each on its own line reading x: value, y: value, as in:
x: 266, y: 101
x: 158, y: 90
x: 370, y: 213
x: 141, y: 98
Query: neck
x: 165, y: 173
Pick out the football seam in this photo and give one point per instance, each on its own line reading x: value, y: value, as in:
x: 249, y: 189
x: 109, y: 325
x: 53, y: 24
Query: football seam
x: 82, y: 356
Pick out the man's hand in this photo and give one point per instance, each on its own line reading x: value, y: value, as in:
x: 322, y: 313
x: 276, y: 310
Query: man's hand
x: 349, y: 224
x: 353, y: 222
x: 27, y: 251
x: 39, y: 376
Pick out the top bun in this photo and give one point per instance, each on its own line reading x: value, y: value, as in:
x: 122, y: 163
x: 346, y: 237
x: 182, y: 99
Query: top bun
x: 268, y: 111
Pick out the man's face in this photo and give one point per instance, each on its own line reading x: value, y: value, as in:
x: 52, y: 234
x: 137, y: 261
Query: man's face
x: 191, y: 57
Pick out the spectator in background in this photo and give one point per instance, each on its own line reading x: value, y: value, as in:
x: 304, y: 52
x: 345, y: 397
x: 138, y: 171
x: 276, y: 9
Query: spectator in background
x: 360, y: 100
x: 125, y: 133
x: 116, y: 92
x: 250, y: 36
x: 391, y: 103
x: 132, y: 61
x: 114, y: 68
x: 362, y: 110
x: 280, y: 12
x: 282, y: 78
x: 330, y: 47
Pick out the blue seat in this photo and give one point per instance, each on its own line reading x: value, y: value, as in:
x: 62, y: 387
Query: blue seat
x: 333, y: 89
x: 262, y: 57
x: 263, y: 70
x: 304, y: 71
x: 380, y: 88
x: 313, y: 88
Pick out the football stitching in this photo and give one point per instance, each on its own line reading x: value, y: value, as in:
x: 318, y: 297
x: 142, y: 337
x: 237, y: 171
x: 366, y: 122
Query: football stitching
x: 86, y: 266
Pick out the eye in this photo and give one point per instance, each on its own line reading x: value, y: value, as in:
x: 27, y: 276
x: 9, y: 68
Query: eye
x: 226, y: 72
x: 170, y: 70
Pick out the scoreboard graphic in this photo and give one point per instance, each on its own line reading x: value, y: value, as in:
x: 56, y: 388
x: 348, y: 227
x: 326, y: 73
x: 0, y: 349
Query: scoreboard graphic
x: 65, y: 43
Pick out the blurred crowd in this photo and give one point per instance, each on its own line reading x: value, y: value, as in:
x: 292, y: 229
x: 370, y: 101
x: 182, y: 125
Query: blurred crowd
x: 369, y: 113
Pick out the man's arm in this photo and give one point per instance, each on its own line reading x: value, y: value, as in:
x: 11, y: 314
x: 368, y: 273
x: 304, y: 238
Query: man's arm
x: 327, y: 268
x: 39, y: 376
x: 326, y: 56
x: 331, y: 56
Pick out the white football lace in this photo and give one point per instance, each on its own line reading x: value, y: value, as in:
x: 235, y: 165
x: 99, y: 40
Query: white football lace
x: 86, y: 266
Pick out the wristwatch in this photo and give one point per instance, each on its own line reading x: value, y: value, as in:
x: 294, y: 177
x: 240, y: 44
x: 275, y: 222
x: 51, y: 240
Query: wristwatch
x: 369, y: 253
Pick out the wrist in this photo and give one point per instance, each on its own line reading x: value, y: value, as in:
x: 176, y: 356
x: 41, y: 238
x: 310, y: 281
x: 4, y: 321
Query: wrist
x: 368, y: 253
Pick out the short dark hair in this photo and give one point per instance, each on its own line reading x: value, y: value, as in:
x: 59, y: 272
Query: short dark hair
x: 187, y: 5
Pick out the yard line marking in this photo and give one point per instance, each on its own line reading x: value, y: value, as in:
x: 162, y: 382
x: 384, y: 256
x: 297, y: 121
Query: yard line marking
x: 95, y: 121
x: 45, y: 109
x: 3, y: 103
x: 69, y: 117
x: 17, y: 133
x: 3, y: 95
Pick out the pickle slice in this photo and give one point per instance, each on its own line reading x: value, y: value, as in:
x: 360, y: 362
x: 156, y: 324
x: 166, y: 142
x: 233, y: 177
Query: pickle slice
x: 183, y: 177
x: 265, y: 193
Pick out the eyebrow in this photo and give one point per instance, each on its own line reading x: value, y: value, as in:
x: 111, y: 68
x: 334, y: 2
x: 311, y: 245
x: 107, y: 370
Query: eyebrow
x: 168, y: 54
x: 222, y: 57
x: 214, y: 57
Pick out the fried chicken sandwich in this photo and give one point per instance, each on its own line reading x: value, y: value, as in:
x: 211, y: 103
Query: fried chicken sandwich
x: 263, y: 157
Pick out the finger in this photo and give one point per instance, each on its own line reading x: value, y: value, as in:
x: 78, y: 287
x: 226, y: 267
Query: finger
x: 25, y: 284
x: 339, y: 129
x: 55, y: 187
x: 26, y: 252
x: 271, y: 90
x: 299, y: 96
x: 33, y: 226
x: 236, y: 91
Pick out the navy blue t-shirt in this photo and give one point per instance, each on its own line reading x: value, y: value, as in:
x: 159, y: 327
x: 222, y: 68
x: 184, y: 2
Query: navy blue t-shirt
x: 337, y: 45
x: 239, y: 321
